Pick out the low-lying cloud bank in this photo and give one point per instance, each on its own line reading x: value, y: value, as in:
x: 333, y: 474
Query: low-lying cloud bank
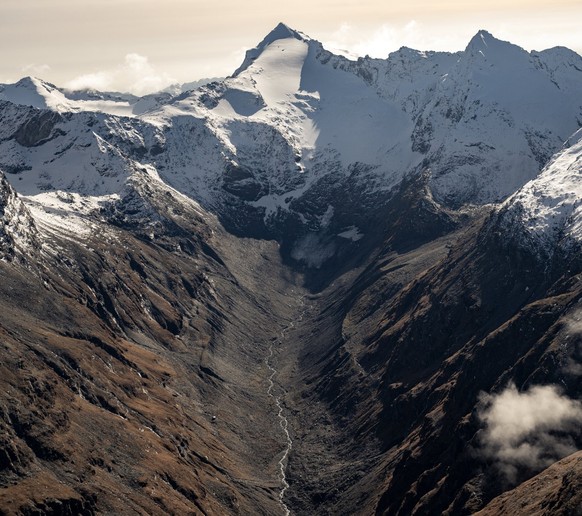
x: 528, y: 430
x: 135, y: 75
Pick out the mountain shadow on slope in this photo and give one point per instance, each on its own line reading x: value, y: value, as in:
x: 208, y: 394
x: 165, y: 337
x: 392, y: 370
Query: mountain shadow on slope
x: 407, y: 369
x: 405, y: 219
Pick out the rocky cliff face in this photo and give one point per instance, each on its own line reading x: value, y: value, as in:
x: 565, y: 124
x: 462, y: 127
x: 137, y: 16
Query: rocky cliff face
x: 18, y: 232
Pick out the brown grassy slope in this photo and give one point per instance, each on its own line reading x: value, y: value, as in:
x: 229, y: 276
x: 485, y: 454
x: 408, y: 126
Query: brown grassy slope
x: 132, y: 378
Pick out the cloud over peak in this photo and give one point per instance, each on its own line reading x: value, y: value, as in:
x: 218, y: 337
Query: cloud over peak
x: 135, y: 75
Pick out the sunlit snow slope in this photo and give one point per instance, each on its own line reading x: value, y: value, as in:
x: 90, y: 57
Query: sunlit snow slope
x: 547, y: 211
x: 303, y: 145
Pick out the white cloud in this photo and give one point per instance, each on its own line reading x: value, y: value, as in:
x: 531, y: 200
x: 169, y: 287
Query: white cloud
x: 378, y: 43
x: 36, y: 70
x: 313, y: 249
x: 574, y: 323
x: 571, y: 345
x: 528, y: 430
x: 101, y: 81
x: 386, y: 38
x: 136, y: 75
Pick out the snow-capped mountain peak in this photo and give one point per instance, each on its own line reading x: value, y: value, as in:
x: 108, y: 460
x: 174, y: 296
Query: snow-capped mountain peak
x: 34, y: 92
x: 283, y: 31
x: 39, y: 94
x: 280, y: 32
x: 493, y: 50
x: 481, y: 39
x: 296, y: 127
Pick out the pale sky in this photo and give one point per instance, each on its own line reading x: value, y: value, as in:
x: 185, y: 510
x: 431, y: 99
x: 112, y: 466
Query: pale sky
x: 144, y: 45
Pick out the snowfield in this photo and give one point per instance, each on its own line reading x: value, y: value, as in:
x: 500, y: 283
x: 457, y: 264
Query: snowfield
x: 297, y: 130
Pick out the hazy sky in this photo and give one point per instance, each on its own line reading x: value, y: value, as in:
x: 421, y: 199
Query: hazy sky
x: 143, y: 45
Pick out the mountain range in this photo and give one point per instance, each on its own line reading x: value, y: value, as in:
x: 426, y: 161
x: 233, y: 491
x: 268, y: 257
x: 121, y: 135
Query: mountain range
x: 318, y: 286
